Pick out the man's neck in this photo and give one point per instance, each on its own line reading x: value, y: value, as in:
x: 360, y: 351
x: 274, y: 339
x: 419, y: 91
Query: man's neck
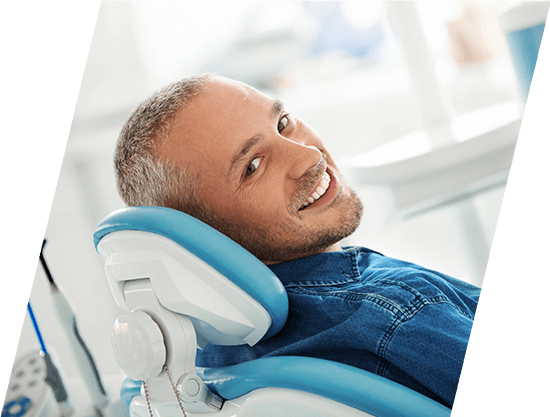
x: 333, y: 248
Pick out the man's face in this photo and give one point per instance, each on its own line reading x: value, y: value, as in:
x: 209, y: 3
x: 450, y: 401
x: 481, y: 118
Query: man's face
x: 266, y: 175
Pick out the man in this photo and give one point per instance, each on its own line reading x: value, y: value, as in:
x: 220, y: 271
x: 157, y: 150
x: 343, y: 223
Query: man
x: 234, y: 158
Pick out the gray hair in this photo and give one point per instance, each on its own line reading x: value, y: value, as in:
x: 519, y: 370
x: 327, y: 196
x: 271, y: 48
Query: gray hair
x: 143, y: 179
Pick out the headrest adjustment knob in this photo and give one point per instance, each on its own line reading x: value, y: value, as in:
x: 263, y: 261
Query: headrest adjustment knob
x: 138, y: 344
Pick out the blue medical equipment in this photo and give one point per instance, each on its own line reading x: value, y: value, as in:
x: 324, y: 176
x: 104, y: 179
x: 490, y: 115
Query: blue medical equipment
x: 36, y: 328
x: 52, y: 376
x: 184, y: 285
x: 523, y: 24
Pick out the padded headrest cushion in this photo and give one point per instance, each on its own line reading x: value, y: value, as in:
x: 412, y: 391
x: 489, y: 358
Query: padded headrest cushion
x: 223, y: 254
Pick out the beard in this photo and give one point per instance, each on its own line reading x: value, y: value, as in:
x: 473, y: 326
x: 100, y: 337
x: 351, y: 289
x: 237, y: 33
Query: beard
x: 289, y: 241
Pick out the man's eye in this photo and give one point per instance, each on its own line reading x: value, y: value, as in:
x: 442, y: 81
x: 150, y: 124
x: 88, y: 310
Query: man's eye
x: 282, y: 123
x: 252, y: 167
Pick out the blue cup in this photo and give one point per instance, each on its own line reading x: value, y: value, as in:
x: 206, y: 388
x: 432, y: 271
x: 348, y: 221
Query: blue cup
x: 523, y: 24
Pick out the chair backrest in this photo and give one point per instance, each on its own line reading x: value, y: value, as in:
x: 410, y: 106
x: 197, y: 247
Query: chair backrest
x: 195, y: 270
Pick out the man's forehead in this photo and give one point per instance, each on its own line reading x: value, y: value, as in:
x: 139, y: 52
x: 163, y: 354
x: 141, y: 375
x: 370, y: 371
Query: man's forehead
x: 229, y: 104
x: 227, y: 114
x: 220, y: 100
x: 237, y: 97
x: 224, y: 86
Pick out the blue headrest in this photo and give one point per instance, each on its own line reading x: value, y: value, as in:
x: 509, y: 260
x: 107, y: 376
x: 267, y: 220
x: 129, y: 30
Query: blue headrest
x: 211, y: 246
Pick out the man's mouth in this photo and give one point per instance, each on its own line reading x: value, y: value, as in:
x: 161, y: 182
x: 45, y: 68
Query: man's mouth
x: 318, y: 192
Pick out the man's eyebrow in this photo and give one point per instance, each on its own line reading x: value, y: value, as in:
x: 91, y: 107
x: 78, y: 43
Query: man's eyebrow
x: 276, y: 109
x: 243, y: 151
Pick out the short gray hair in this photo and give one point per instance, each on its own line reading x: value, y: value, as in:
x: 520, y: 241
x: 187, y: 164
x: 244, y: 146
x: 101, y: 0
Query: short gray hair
x: 142, y: 178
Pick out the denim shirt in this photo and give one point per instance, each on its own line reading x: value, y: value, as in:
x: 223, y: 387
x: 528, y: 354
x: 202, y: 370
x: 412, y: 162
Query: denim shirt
x: 358, y: 307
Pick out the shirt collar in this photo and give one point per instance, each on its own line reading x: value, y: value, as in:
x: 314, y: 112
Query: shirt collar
x: 328, y: 268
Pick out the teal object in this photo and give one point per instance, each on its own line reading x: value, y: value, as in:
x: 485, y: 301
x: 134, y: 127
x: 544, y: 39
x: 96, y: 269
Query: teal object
x: 130, y: 388
x: 524, y: 47
x: 345, y: 384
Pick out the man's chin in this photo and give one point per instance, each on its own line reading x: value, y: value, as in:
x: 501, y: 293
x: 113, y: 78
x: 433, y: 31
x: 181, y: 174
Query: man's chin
x: 309, y: 243
x: 291, y: 242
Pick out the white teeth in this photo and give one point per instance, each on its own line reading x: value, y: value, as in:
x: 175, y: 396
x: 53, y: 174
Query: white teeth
x: 319, y: 191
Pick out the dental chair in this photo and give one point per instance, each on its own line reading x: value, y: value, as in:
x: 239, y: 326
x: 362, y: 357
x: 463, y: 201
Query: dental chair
x: 183, y: 285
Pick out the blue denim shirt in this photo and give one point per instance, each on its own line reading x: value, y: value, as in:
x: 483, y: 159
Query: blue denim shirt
x: 358, y: 307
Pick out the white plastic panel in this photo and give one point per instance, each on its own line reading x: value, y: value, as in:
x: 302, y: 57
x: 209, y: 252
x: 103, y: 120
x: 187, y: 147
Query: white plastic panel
x: 184, y: 284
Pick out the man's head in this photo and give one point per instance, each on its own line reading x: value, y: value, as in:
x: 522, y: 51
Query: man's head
x: 232, y: 157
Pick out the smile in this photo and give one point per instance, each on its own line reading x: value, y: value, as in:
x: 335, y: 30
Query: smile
x: 319, y: 191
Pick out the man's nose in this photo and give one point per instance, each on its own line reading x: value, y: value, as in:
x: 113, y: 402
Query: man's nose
x: 299, y: 158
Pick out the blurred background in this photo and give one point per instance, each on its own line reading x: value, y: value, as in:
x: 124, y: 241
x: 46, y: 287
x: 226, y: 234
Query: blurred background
x: 418, y: 102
